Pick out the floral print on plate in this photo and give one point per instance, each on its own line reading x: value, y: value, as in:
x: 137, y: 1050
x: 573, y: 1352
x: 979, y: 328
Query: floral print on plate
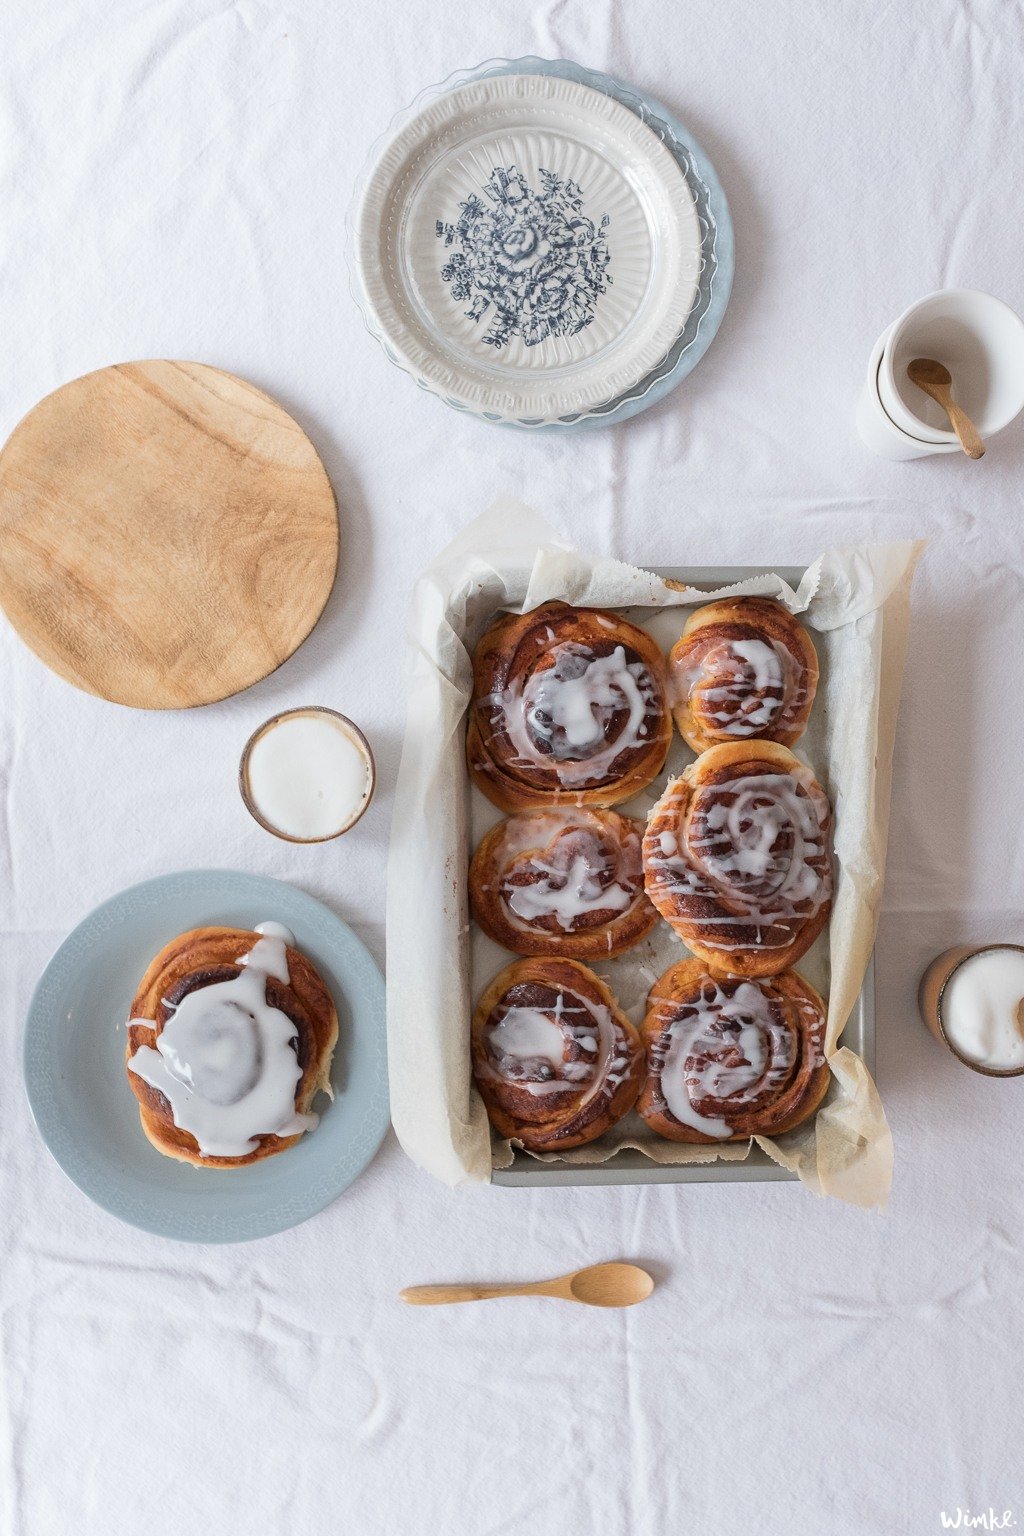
x: 531, y: 261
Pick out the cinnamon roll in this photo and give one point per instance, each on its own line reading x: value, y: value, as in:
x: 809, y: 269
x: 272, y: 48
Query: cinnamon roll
x: 554, y: 1058
x: 737, y: 858
x: 562, y: 883
x: 729, y: 1058
x: 230, y: 1038
x: 568, y: 708
x: 742, y: 668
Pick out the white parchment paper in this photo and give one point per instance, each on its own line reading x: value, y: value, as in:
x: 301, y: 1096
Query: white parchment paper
x: 856, y: 601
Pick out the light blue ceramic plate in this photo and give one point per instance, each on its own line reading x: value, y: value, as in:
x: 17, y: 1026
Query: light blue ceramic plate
x: 89, y: 1118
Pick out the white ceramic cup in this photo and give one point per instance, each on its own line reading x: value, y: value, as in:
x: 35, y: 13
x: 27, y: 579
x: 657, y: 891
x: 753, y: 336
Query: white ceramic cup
x: 877, y: 429
x: 981, y: 342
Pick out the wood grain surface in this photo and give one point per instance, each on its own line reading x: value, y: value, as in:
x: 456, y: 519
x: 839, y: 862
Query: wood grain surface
x: 168, y: 535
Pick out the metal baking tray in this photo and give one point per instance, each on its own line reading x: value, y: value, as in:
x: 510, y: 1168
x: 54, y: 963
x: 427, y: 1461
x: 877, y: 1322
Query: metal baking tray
x: 630, y: 1166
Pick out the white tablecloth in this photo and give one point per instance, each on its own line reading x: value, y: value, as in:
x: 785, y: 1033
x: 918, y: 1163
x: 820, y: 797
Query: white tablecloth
x: 173, y: 182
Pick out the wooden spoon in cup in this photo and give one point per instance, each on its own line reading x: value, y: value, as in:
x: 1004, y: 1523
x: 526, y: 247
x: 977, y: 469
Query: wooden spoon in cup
x: 602, y: 1285
x: 935, y: 379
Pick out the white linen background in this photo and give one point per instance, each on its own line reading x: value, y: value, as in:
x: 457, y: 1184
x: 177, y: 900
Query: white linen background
x: 173, y: 182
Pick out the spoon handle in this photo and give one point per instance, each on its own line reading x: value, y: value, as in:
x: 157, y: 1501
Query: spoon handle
x: 966, y: 431
x: 438, y: 1295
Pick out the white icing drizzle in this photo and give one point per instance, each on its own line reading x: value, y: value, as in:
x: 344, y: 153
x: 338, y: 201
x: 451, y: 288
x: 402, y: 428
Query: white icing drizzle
x: 526, y: 1048
x: 566, y: 896
x: 740, y: 688
x: 530, y: 1046
x: 600, y: 874
x: 731, y: 1050
x: 224, y: 1059
x: 569, y: 706
x: 741, y: 847
x: 760, y: 852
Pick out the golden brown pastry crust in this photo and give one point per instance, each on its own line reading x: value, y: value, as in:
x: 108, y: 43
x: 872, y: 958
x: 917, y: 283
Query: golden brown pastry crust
x: 697, y: 1032
x: 762, y: 696
x: 737, y: 858
x: 521, y: 760
x: 199, y: 958
x: 596, y: 1034
x: 577, y: 876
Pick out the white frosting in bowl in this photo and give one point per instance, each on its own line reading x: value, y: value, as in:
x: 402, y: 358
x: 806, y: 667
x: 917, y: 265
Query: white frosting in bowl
x: 307, y: 775
x: 983, y: 1009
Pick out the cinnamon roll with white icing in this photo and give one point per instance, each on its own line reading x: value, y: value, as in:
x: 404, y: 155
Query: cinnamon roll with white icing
x: 560, y: 882
x: 743, y: 667
x: 230, y: 1039
x: 729, y: 1058
x: 555, y: 1059
x: 568, y: 708
x: 737, y: 858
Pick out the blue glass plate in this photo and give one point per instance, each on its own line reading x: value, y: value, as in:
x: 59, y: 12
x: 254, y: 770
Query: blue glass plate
x: 89, y: 1118
x: 717, y: 244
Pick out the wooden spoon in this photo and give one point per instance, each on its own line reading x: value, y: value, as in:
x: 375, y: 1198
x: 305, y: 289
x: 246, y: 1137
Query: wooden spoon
x: 602, y: 1285
x: 935, y: 379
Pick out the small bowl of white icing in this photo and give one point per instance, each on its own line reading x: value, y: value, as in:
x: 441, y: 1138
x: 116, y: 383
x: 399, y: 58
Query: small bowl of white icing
x: 972, y: 999
x: 307, y: 775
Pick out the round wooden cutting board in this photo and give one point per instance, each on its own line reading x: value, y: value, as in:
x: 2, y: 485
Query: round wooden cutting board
x: 168, y: 535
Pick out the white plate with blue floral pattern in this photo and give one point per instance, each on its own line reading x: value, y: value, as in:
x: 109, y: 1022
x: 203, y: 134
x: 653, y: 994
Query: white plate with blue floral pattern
x: 89, y: 1118
x: 526, y: 247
